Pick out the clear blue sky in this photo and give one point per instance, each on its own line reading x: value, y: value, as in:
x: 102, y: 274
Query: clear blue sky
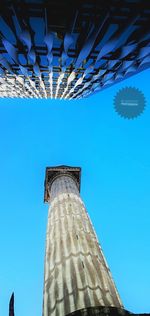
x: 114, y: 154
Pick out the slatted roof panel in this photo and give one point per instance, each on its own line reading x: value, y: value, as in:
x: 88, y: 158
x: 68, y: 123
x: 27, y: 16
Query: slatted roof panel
x: 69, y: 50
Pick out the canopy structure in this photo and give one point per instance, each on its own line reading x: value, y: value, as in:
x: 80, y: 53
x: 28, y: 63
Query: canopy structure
x: 71, y: 49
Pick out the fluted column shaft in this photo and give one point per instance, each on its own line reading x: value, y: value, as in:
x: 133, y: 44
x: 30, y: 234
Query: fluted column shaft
x: 76, y: 273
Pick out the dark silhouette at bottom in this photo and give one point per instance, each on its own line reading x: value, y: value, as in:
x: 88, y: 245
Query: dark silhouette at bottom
x: 104, y: 311
x: 90, y: 311
x: 11, y: 306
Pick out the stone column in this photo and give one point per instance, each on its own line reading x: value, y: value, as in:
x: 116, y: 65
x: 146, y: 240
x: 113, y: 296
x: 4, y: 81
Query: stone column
x: 76, y: 273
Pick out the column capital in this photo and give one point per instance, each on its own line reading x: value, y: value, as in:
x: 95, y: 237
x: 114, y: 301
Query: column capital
x: 54, y: 172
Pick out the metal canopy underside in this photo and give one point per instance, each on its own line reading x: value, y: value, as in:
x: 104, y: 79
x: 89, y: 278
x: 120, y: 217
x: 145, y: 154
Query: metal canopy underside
x: 71, y: 49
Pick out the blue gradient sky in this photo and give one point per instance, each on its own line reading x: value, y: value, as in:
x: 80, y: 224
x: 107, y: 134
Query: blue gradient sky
x: 114, y: 154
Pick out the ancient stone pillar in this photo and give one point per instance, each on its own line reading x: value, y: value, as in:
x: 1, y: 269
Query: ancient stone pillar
x: 76, y: 273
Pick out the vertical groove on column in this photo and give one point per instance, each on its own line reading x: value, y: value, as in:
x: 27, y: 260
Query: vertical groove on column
x: 76, y: 274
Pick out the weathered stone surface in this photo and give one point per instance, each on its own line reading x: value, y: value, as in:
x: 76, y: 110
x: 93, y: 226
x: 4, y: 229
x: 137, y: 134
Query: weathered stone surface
x: 76, y: 272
